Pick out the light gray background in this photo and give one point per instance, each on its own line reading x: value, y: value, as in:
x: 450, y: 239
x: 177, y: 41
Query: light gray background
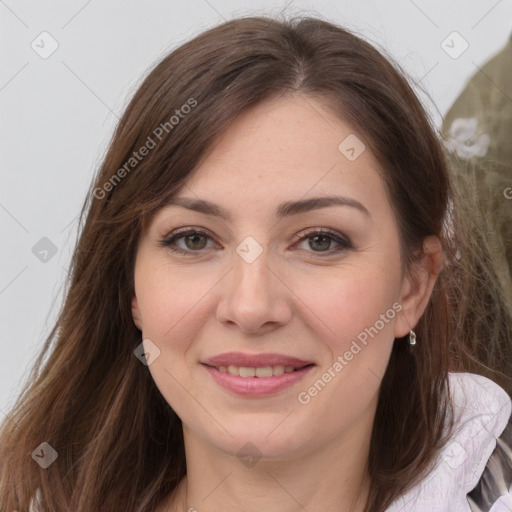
x: 58, y: 113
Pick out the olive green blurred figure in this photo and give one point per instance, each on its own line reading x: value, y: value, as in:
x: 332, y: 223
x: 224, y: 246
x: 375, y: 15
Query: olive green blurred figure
x: 478, y: 135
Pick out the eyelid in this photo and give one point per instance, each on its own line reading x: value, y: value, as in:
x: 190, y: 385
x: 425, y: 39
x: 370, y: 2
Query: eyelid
x: 324, y: 231
x: 188, y: 229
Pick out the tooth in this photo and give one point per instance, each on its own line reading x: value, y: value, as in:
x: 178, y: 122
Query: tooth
x: 278, y: 370
x: 245, y: 371
x: 233, y: 370
x: 264, y: 371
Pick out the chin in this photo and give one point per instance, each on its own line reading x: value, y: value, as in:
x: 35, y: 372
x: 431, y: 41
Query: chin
x: 261, y: 441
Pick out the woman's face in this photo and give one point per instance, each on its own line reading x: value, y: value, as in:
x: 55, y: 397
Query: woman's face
x: 264, y: 270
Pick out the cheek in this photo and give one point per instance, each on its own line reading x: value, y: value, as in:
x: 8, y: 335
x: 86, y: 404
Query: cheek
x: 170, y: 299
x: 355, y: 317
x: 172, y: 303
x: 350, y: 304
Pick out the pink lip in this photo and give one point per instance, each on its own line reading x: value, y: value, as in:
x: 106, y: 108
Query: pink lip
x: 255, y: 360
x: 256, y: 387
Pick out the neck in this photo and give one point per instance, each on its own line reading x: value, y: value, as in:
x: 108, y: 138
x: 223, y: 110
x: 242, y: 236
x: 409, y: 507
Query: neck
x: 332, y: 477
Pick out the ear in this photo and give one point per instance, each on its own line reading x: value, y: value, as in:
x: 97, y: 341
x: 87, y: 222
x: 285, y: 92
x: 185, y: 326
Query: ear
x: 417, y: 286
x: 136, y: 315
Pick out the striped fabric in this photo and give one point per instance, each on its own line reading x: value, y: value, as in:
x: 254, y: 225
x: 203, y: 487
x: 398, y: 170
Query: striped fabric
x: 495, y: 486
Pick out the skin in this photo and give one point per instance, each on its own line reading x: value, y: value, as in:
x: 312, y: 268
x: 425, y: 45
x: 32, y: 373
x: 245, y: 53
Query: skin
x: 293, y: 299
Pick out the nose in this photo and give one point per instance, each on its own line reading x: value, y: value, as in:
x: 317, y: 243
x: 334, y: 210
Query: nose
x: 254, y: 298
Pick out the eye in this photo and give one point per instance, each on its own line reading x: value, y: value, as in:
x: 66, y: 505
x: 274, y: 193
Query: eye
x: 320, y: 241
x: 187, y: 241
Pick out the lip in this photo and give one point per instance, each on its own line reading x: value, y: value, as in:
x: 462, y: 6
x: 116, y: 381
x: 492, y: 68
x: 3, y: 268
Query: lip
x: 256, y: 387
x: 255, y: 360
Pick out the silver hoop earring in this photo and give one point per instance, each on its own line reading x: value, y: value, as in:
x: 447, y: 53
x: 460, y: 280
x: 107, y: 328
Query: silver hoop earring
x: 412, y: 338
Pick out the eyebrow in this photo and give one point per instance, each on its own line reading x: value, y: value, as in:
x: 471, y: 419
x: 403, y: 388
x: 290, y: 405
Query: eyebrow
x: 283, y: 210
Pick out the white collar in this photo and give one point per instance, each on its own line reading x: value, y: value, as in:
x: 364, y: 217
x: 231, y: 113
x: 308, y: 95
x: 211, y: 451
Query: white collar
x: 482, y: 410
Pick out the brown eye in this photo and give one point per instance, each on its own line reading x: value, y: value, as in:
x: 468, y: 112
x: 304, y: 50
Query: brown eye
x: 195, y: 241
x: 325, y: 241
x: 320, y: 242
x: 188, y: 241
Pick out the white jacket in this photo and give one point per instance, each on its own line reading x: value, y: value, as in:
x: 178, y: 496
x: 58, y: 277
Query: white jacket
x: 473, y: 472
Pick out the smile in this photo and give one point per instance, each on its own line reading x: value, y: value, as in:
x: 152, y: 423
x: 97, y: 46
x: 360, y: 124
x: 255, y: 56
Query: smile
x: 256, y: 382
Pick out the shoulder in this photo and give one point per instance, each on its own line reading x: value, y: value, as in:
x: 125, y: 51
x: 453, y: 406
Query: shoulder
x: 480, y: 435
x: 483, y: 416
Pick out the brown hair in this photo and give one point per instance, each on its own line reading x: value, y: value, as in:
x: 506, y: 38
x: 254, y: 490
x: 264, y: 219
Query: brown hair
x: 120, y: 444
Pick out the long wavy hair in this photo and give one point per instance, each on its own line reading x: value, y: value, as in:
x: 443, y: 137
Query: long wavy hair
x: 119, y: 443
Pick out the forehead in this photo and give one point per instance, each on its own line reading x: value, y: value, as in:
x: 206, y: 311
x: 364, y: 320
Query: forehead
x: 285, y: 149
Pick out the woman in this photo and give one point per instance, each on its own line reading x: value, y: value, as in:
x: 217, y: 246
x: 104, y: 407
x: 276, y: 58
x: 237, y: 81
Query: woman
x: 261, y: 312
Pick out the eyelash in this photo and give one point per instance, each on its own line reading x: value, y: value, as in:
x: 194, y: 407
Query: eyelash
x: 344, y: 242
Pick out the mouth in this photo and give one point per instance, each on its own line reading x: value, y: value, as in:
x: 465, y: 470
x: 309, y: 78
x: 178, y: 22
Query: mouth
x: 256, y: 375
x: 260, y: 372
